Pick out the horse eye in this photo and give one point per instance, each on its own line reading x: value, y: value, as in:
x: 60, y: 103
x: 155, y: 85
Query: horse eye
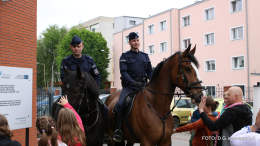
x: 188, y: 69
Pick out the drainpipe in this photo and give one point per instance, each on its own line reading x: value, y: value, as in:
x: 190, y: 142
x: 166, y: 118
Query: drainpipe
x: 171, y: 29
x: 247, y: 49
x: 179, y: 29
x: 122, y: 41
x: 143, y: 36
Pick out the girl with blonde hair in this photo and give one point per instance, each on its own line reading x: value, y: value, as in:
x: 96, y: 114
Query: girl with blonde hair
x: 70, y: 125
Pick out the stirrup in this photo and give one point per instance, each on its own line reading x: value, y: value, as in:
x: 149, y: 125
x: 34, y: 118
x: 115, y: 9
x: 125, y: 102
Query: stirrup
x: 107, y: 139
x: 119, y: 134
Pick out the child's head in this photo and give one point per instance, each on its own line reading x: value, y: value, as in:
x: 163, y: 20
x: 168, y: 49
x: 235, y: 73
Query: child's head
x: 68, y: 127
x: 46, y: 127
x: 211, y: 105
x: 4, y: 127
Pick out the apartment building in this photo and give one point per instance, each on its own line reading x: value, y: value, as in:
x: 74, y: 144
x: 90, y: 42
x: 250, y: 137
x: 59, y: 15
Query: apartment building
x: 224, y: 32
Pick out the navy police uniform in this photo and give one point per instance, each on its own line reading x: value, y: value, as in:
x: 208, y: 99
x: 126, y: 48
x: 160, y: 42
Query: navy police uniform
x: 134, y: 66
x: 85, y: 63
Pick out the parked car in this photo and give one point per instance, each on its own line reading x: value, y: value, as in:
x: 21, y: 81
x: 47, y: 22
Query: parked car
x: 221, y: 104
x: 181, y: 111
x: 46, y: 100
x: 103, y: 97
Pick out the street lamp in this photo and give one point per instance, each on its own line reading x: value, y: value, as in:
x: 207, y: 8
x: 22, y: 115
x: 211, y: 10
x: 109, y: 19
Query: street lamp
x: 43, y: 72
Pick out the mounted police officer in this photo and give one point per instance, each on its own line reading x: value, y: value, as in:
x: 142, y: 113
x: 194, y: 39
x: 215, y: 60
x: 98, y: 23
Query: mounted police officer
x: 134, y: 67
x: 86, y: 64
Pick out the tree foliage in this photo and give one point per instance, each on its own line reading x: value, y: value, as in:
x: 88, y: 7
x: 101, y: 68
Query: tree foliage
x: 93, y: 44
x: 47, y: 46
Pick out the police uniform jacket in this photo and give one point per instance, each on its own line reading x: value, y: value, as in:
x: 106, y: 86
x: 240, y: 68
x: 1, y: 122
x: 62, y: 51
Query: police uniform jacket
x: 85, y: 63
x: 134, y: 65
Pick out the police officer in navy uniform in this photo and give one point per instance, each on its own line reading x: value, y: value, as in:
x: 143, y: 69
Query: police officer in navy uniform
x: 134, y: 67
x: 86, y: 64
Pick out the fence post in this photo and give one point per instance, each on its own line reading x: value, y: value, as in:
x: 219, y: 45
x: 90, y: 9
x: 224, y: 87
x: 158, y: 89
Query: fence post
x: 51, y: 94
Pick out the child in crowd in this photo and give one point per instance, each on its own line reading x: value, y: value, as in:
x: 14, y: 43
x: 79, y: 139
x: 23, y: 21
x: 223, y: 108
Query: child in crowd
x: 70, y: 125
x: 46, y: 127
x: 200, y: 127
x: 6, y: 133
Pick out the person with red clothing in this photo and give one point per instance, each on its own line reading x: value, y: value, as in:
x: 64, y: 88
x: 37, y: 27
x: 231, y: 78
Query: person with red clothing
x: 69, y: 125
x: 202, y: 133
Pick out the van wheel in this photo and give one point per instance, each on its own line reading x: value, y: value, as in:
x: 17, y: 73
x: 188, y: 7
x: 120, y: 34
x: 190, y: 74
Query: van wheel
x: 176, y: 122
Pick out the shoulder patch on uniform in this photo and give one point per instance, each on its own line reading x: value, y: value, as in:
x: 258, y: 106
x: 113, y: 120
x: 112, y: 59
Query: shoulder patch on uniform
x: 96, y: 71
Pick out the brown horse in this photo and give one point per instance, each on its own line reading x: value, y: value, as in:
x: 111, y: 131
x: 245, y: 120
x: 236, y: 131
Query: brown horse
x: 147, y: 125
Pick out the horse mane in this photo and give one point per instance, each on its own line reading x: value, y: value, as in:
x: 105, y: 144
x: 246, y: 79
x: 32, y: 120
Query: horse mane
x: 159, y: 66
x: 92, y: 90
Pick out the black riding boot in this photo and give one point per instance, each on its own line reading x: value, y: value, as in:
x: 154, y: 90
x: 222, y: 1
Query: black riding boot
x: 118, y: 134
x: 107, y: 139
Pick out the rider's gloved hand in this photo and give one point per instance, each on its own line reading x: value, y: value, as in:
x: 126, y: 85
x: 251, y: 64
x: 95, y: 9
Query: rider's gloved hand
x: 138, y: 85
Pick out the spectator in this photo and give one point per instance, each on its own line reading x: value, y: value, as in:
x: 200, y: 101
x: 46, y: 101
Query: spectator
x: 222, y: 110
x: 249, y: 135
x: 202, y: 132
x: 69, y: 125
x: 46, y: 127
x: 6, y: 134
x: 236, y: 116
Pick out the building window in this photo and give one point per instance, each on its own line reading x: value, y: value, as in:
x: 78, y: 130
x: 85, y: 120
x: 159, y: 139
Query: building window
x: 211, y: 91
x: 209, y: 38
x: 209, y: 14
x: 113, y: 25
x: 237, y: 33
x: 242, y: 87
x: 151, y: 49
x: 163, y: 25
x: 185, y: 43
x: 132, y: 22
x: 126, y: 39
x: 151, y: 29
x: 186, y: 21
x: 163, y: 47
x: 210, y: 65
x: 236, y: 5
x: 94, y: 27
x: 238, y: 62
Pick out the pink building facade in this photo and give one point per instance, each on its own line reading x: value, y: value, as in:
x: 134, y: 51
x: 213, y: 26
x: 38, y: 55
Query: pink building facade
x: 225, y: 34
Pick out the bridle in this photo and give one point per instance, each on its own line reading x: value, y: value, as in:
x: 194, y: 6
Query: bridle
x: 77, y: 108
x: 188, y: 86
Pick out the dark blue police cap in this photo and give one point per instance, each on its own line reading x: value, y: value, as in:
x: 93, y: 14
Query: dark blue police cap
x: 133, y: 35
x: 75, y: 41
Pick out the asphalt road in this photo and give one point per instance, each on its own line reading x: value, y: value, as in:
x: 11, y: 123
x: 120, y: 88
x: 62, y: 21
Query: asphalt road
x: 178, y: 139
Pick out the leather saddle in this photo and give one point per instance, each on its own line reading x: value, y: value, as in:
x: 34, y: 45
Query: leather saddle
x: 129, y: 101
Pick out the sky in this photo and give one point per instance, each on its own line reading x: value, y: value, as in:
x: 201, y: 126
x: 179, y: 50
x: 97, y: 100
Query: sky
x: 73, y: 12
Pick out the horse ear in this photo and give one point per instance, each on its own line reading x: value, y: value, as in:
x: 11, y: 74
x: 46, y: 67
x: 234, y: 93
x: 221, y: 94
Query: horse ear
x: 65, y: 70
x: 80, y: 74
x: 193, y: 50
x: 185, y: 53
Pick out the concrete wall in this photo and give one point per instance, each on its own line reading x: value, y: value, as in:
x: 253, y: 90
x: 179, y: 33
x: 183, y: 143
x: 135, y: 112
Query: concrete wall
x: 123, y: 22
x: 18, y: 48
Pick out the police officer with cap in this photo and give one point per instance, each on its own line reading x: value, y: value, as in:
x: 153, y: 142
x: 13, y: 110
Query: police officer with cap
x: 86, y: 64
x: 134, y: 67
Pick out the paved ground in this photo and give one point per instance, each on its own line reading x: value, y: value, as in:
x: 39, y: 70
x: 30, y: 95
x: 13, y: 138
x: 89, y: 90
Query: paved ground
x: 178, y: 139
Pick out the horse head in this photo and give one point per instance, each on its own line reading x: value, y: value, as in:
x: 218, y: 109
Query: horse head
x: 78, y: 85
x: 188, y: 78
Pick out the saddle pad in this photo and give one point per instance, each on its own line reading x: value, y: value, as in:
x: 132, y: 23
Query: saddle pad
x: 127, y: 110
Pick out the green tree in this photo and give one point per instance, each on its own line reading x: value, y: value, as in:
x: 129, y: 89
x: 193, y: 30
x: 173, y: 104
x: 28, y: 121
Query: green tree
x: 47, y: 45
x: 93, y: 44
